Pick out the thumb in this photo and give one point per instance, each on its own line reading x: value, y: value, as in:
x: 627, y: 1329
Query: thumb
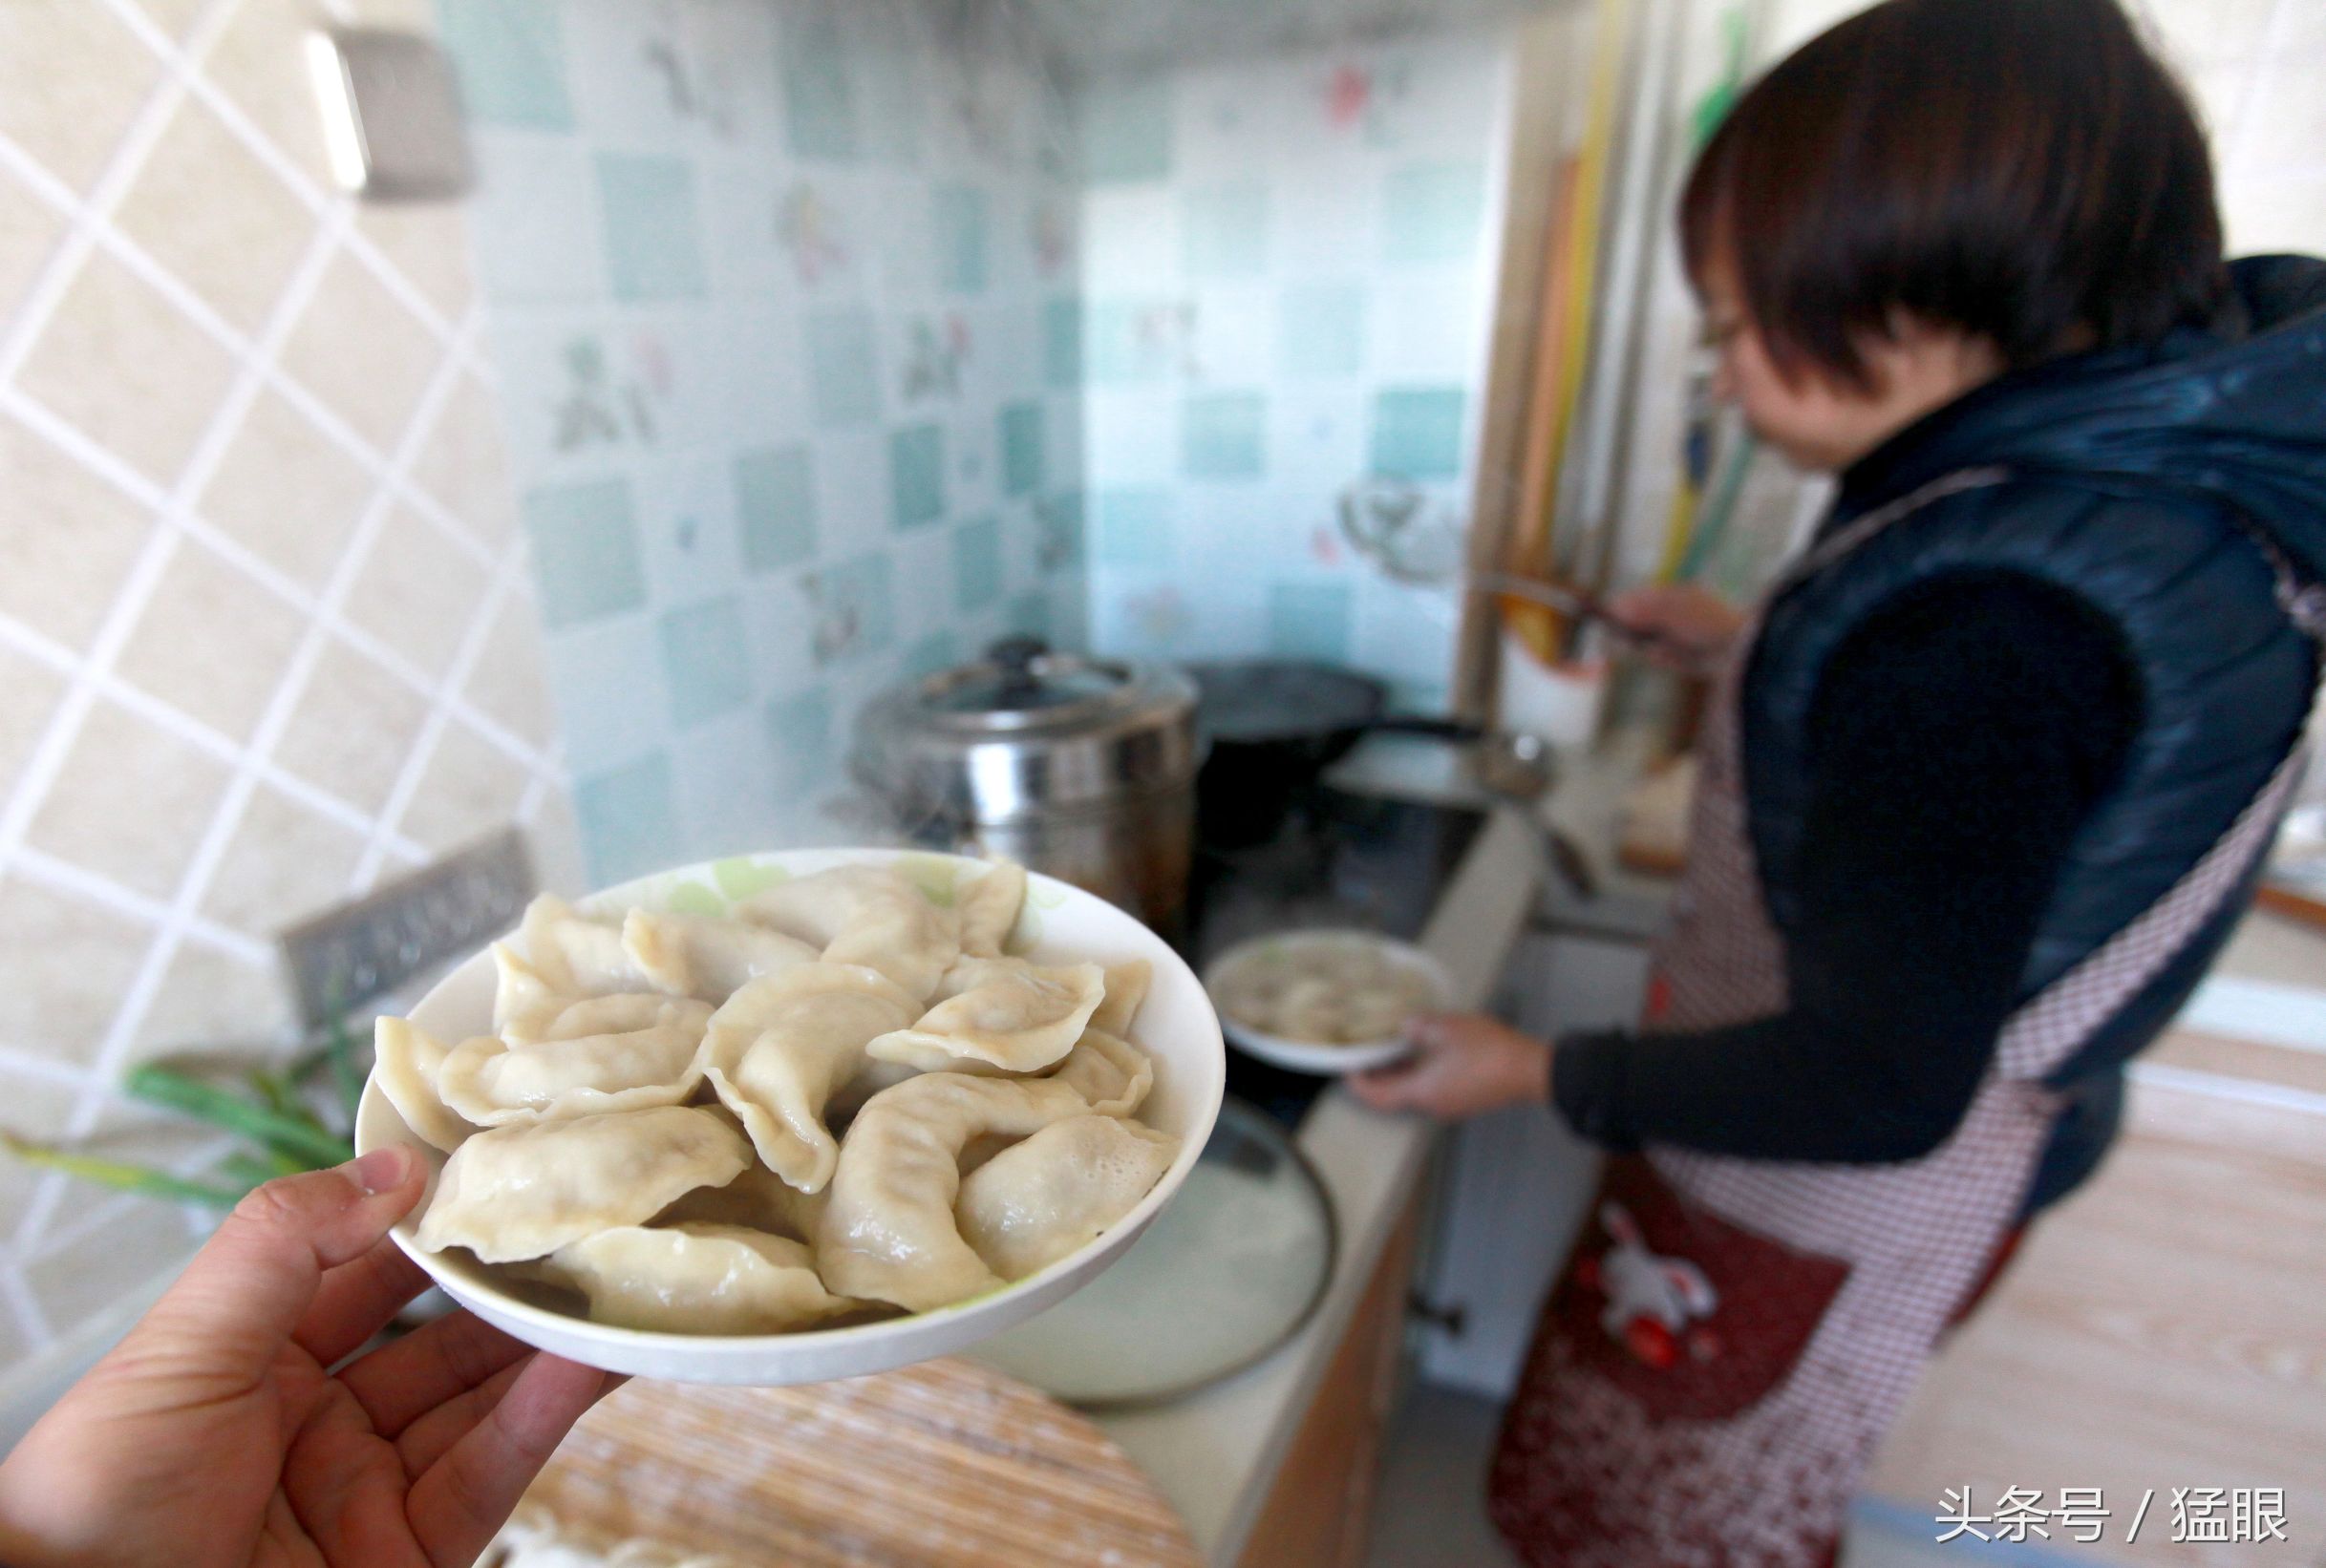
x: 248, y: 1288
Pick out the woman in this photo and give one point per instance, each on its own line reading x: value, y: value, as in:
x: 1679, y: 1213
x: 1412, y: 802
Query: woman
x: 1989, y: 779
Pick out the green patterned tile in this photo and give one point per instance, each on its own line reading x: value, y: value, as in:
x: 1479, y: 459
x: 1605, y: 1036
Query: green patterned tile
x: 628, y: 823
x: 653, y: 243
x: 1432, y: 213
x: 916, y: 476
x: 929, y: 654
x: 706, y: 662
x: 511, y: 60
x: 976, y: 565
x: 1309, y: 621
x: 960, y: 238
x: 843, y: 367
x: 1416, y: 431
x: 1320, y: 330
x: 1062, y: 343
x: 1223, y: 232
x: 1021, y: 449
x: 818, y: 85
x: 1127, y: 128
x: 585, y: 539
x: 1135, y: 527
x: 799, y: 731
x: 855, y: 608
x: 1224, y: 436
x: 1029, y: 616
x: 774, y: 504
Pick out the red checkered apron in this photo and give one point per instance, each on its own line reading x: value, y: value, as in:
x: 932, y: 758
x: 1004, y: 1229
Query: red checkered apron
x: 1788, y: 1307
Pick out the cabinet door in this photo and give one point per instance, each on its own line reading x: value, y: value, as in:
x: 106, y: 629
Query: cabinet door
x: 1517, y: 1181
x: 1317, y: 1513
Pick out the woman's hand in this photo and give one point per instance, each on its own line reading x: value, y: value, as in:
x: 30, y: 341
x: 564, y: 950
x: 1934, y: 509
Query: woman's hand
x: 217, y: 1433
x: 1681, y: 625
x: 1464, y: 1064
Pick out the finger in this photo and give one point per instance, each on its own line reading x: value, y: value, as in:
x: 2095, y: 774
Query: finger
x: 253, y: 1281
x: 466, y: 1495
x: 397, y: 1384
x: 1386, y: 1087
x: 432, y: 1433
x: 356, y: 1300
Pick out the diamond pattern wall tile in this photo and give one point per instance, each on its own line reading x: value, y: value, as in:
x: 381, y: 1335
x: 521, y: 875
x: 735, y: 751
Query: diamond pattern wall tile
x: 29, y: 695
x: 464, y: 463
x: 214, y: 1000
x: 212, y: 642
x: 63, y: 592
x: 217, y: 218
x: 76, y: 1283
x: 120, y: 362
x: 508, y: 685
x: 70, y: 79
x: 286, y: 491
x: 469, y: 789
x: 366, y: 354
x: 29, y: 229
x: 60, y: 1006
x: 284, y: 862
x: 416, y: 591
x: 352, y: 728
x: 261, y: 63
x: 131, y: 803
x: 33, y: 1108
x: 428, y: 244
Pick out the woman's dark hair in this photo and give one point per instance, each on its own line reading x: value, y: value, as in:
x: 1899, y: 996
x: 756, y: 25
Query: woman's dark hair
x: 2023, y: 170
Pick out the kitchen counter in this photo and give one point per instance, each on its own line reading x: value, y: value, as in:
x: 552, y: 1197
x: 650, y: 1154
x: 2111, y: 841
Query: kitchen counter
x: 1215, y: 1453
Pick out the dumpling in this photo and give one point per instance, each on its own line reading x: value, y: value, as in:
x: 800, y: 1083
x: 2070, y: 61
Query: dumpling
x: 703, y: 957
x: 577, y: 955
x: 1039, y: 1200
x: 569, y: 1018
x: 408, y: 1062
x: 865, y: 914
x: 888, y: 1233
x: 523, y: 997
x: 654, y: 1062
x: 988, y: 909
x: 781, y: 1046
x: 1126, y: 988
x: 759, y: 1199
x: 695, y: 1279
x: 519, y: 1192
x: 1114, y: 1075
x: 869, y: 1080
x: 1003, y: 1011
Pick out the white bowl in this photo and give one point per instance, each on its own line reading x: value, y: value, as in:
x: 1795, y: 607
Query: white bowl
x: 1326, y: 1061
x: 1175, y: 1025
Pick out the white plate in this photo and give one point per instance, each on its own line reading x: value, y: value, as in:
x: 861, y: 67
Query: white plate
x: 1306, y: 1055
x: 1175, y: 1025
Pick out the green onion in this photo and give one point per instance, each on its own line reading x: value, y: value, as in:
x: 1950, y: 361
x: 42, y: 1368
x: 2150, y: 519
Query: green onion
x: 121, y: 1176
x: 161, y: 1086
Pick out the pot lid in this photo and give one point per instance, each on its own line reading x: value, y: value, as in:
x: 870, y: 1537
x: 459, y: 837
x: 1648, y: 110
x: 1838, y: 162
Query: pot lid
x: 1026, y: 727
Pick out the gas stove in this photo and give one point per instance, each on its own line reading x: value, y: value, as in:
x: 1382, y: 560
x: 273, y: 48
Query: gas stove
x: 1341, y: 858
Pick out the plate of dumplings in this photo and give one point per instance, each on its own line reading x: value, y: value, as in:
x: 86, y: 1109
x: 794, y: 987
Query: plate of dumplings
x: 797, y: 1116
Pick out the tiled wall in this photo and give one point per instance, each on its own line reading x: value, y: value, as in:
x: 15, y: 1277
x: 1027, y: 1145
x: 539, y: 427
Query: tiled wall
x: 1288, y: 271
x: 266, y: 635
x: 773, y: 290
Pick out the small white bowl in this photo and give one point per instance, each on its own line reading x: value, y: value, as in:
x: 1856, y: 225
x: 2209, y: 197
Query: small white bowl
x: 1306, y: 1055
x: 1175, y: 1025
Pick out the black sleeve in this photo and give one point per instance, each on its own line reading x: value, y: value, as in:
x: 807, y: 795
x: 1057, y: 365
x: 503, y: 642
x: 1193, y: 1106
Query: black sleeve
x: 1956, y: 741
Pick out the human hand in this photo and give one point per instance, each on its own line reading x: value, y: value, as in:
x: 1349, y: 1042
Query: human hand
x: 1464, y: 1065
x: 1680, y: 625
x: 217, y: 1433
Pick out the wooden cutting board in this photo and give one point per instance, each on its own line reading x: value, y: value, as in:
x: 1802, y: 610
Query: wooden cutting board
x: 943, y: 1465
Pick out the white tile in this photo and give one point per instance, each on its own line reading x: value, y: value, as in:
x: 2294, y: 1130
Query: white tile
x: 611, y: 702
x: 732, y: 44
x: 284, y: 864
x: 534, y: 218
x: 286, y: 491
x: 1235, y: 335
x: 1132, y: 435
x: 758, y: 362
x: 212, y: 642
x: 851, y: 490
x: 417, y: 591
x: 131, y: 802
x: 469, y: 788
x: 213, y: 215
x: 358, y: 348
x: 619, y: 56
x: 1427, y: 328
x: 2285, y: 124
x: 1130, y: 239
x: 743, y: 224
x: 352, y: 728
x: 63, y: 593
x: 509, y: 685
x: 70, y: 76
x: 59, y: 1006
x: 687, y: 528
x: 725, y: 782
x: 1317, y: 438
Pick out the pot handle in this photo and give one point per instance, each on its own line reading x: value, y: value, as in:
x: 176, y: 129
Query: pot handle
x: 1016, y: 656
